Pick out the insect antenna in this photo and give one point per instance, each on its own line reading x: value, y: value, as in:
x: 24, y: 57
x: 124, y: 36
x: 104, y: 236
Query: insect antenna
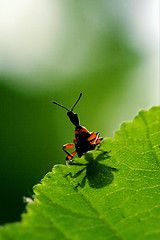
x: 76, y: 102
x: 60, y: 105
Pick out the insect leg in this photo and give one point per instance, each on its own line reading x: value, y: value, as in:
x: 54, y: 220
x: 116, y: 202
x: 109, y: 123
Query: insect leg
x: 66, y: 146
x: 94, y: 138
x: 98, y: 140
x: 69, y: 158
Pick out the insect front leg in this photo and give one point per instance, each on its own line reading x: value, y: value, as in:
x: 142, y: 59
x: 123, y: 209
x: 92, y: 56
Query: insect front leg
x: 70, y: 155
x: 69, y: 158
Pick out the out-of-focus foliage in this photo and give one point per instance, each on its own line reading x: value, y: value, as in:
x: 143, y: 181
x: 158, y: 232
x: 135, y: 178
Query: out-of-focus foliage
x: 92, y: 54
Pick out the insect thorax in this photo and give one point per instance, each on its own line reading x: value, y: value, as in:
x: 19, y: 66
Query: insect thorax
x: 82, y: 144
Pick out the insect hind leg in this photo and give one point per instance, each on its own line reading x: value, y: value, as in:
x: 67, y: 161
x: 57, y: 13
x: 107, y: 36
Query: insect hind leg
x: 94, y: 138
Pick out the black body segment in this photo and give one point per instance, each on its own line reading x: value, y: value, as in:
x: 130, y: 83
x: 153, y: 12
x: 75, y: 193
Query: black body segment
x: 82, y: 144
x: 74, y: 118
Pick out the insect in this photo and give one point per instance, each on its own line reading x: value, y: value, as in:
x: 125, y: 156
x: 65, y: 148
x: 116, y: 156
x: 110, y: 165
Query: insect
x: 84, y: 140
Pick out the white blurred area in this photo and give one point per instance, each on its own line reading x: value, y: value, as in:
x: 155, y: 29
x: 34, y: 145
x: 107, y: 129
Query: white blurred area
x: 38, y: 36
x: 30, y: 33
x: 141, y: 19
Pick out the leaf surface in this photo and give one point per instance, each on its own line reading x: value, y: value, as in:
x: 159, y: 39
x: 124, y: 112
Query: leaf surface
x: 109, y: 193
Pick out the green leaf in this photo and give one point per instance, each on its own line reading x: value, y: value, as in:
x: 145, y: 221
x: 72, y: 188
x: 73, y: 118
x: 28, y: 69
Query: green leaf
x: 109, y: 193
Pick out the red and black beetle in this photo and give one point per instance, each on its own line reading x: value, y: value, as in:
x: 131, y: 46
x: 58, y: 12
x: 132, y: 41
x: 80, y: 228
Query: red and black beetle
x: 84, y: 140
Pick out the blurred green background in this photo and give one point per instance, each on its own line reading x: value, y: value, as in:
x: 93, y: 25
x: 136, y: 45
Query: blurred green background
x: 53, y: 50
